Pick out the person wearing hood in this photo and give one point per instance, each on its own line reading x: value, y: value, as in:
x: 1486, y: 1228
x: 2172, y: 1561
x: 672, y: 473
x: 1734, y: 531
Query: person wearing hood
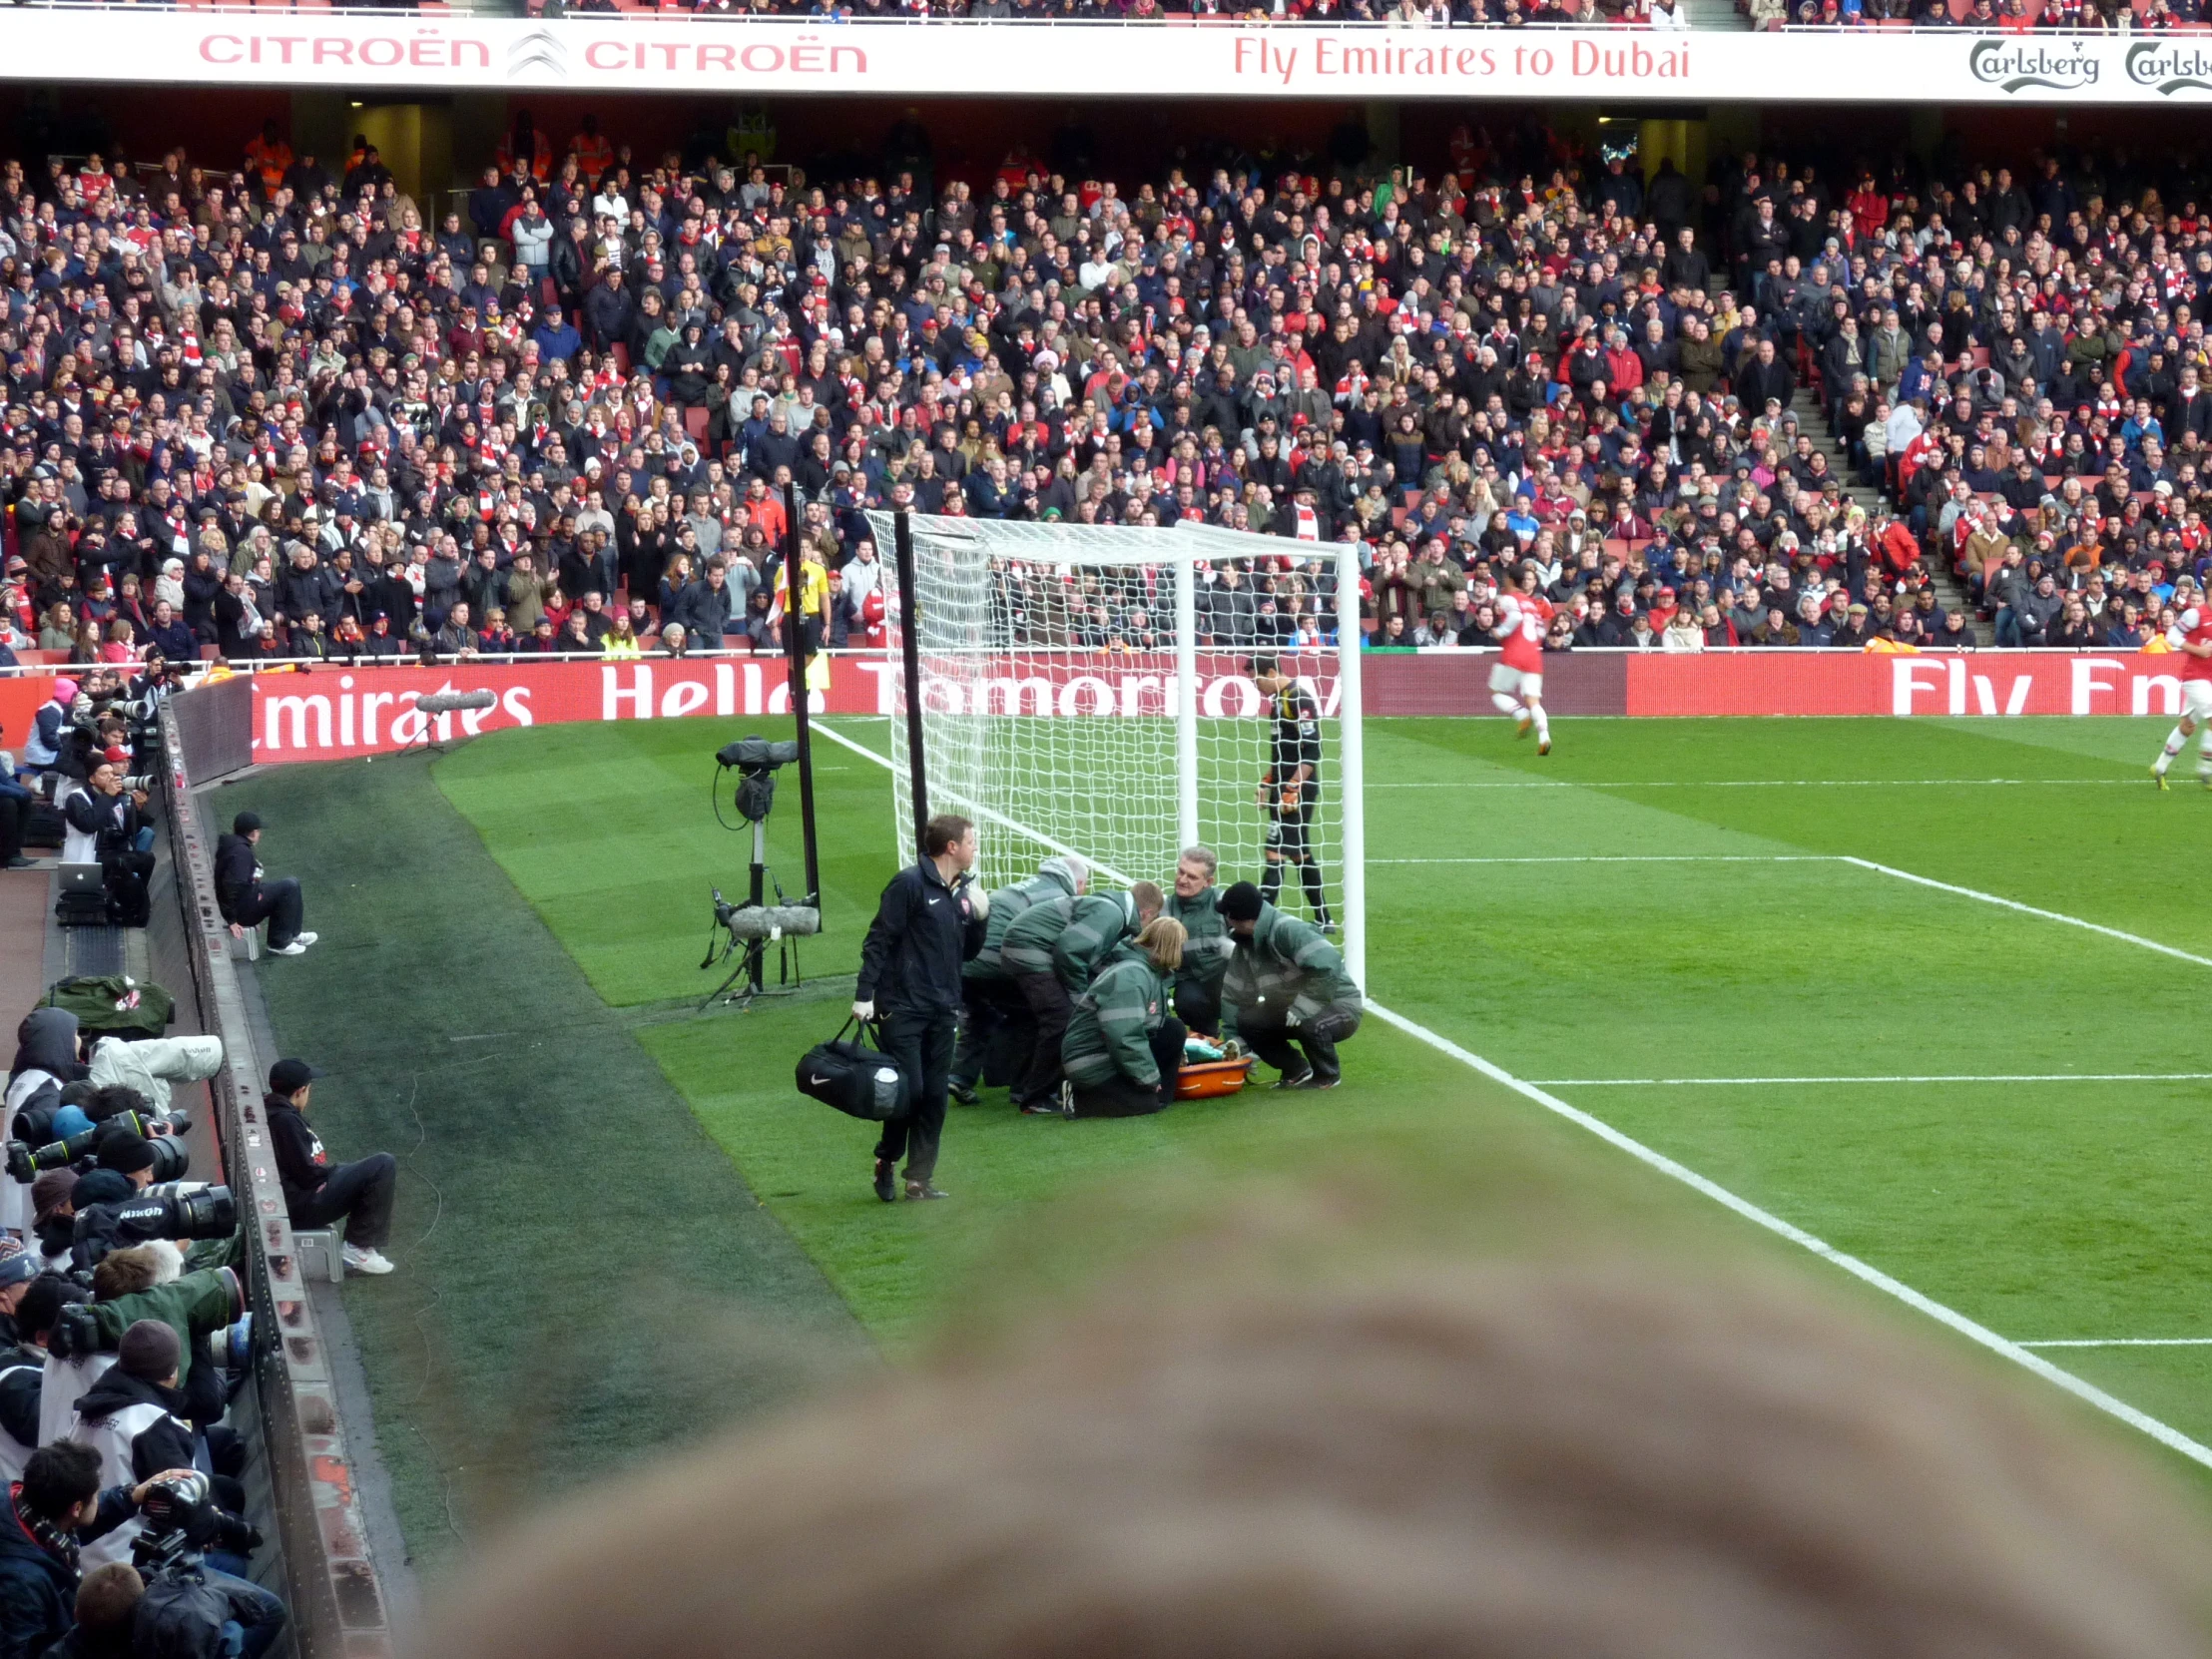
x: 1287, y: 989
x: 1123, y: 1047
x: 1097, y: 924
x: 131, y: 1418
x: 1025, y: 953
x: 995, y: 1011
x: 145, y: 1282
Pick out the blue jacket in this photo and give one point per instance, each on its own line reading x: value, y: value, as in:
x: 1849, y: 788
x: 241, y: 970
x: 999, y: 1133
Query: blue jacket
x: 38, y: 1594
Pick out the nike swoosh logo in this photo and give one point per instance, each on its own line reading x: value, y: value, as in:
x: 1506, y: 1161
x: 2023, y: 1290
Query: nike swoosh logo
x: 936, y: 901
x: 817, y: 1082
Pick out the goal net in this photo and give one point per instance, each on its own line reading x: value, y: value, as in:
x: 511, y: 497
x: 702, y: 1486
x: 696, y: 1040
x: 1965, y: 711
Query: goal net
x: 1085, y: 689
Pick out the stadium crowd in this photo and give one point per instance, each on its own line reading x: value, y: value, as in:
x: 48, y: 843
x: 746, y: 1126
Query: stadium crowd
x: 271, y: 413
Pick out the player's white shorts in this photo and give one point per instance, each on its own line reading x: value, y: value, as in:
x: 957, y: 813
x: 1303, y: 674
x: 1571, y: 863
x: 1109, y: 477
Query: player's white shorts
x: 1525, y: 683
x: 2196, y: 699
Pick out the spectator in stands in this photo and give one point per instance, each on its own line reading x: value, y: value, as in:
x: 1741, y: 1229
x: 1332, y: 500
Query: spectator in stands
x: 16, y: 801
x: 318, y: 1193
x: 248, y: 900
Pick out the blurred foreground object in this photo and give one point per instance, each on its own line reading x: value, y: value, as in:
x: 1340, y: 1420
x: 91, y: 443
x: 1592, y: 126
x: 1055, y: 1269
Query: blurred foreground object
x: 1500, y: 1459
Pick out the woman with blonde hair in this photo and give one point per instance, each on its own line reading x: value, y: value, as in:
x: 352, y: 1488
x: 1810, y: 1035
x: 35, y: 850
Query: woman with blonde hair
x: 1123, y: 1046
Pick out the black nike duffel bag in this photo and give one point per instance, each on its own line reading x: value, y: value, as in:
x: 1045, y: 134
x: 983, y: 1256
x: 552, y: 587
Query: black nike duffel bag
x: 856, y: 1078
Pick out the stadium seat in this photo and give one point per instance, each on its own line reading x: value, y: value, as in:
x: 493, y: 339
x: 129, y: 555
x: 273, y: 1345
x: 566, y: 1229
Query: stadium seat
x: 318, y: 1252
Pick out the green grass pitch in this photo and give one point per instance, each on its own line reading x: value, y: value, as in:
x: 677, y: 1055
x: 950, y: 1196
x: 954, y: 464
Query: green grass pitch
x: 1656, y: 924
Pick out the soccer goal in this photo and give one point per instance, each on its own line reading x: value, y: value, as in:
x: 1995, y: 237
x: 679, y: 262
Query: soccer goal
x: 1084, y: 689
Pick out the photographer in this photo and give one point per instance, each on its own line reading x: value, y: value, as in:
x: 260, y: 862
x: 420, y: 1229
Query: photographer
x: 138, y: 1282
x: 57, y: 1507
x: 246, y: 899
x: 151, y: 1064
x: 318, y: 1193
x: 930, y: 920
x: 131, y: 1418
x: 22, y: 1358
x: 107, y: 1615
x: 49, y: 727
x: 1123, y: 1048
x: 105, y: 827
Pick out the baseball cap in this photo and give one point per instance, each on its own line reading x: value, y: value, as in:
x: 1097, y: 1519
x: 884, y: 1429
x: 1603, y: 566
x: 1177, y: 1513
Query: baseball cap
x: 289, y: 1077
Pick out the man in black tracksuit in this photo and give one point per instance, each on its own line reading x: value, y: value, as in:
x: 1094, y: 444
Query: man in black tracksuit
x: 930, y: 920
x: 248, y: 900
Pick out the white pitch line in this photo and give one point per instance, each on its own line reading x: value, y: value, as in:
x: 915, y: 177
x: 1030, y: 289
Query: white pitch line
x: 2089, y: 1393
x: 1776, y: 784
x: 1733, y: 1082
x: 1638, y: 858
x: 2126, y: 1342
x: 2170, y: 1437
x: 2032, y: 911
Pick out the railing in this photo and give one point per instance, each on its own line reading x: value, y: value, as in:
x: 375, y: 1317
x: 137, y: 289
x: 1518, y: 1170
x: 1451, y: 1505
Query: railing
x: 336, y: 1601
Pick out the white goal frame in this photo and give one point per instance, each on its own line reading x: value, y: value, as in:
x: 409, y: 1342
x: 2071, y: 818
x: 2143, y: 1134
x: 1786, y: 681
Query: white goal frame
x: 1183, y: 549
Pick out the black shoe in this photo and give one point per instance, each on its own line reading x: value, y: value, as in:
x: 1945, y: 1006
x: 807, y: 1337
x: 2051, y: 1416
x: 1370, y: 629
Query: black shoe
x: 1298, y: 1081
x: 926, y: 1187
x: 1042, y: 1109
x: 886, y: 1183
x: 19, y: 864
x: 965, y: 1093
x: 1322, y: 1080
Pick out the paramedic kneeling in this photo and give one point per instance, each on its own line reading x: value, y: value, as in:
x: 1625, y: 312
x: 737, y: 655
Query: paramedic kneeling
x: 1287, y: 989
x: 1123, y: 1048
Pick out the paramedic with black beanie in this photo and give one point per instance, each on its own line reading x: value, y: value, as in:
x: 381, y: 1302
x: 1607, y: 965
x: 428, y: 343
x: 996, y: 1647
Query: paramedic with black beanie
x: 930, y: 920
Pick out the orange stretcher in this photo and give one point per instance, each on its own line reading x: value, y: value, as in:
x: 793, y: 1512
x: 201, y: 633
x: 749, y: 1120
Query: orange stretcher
x: 1206, y: 1079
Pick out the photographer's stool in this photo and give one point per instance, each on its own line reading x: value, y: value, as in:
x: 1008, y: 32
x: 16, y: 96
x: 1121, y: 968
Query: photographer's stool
x: 249, y: 949
x: 319, y: 1254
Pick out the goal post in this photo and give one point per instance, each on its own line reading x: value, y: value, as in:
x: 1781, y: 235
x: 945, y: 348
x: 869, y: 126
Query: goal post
x: 1082, y: 688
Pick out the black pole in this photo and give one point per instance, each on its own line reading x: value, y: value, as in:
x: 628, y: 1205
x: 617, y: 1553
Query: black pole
x: 794, y: 655
x: 902, y: 540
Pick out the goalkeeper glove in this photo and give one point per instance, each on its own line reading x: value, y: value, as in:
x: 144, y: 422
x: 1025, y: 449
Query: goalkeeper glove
x: 1291, y: 800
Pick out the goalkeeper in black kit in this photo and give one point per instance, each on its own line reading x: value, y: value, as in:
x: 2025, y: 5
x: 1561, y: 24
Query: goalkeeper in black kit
x: 1291, y: 788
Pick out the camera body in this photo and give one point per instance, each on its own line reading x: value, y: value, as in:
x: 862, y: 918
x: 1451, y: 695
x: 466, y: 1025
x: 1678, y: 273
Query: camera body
x: 756, y: 760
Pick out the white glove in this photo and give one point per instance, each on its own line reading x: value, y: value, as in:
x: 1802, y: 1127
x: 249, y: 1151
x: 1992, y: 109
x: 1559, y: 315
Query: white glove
x: 979, y: 901
x: 863, y: 1011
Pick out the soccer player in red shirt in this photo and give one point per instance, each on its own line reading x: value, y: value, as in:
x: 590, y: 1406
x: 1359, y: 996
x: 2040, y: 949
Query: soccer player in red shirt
x: 1517, y: 682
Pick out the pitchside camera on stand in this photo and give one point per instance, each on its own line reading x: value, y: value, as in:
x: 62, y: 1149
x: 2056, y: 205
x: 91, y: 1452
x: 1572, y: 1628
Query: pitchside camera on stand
x: 755, y: 924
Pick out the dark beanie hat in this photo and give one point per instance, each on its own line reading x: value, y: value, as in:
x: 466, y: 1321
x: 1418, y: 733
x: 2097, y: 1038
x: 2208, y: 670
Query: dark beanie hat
x: 149, y: 1350
x: 124, y: 1152
x: 1241, y: 903
x: 246, y: 823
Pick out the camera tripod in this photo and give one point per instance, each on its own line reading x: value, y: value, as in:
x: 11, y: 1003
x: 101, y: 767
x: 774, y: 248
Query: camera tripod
x: 752, y: 958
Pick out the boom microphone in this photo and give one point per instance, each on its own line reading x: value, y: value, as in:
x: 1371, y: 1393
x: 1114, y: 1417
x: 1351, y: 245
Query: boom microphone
x: 769, y: 921
x: 447, y: 703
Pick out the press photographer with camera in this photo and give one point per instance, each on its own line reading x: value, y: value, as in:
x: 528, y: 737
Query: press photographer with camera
x: 105, y: 828
x: 56, y: 1509
x: 320, y: 1193
x: 248, y: 901
x: 22, y: 1353
x: 930, y: 919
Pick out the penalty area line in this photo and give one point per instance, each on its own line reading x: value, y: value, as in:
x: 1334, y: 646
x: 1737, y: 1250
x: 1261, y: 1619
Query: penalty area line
x: 2087, y: 1393
x: 2124, y: 1342
x: 1747, y: 1082
x: 2029, y: 910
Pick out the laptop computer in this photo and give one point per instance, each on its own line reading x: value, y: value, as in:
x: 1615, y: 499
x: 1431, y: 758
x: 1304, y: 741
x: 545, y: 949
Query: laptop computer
x: 80, y: 879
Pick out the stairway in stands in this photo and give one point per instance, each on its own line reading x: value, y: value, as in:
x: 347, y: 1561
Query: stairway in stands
x: 1950, y: 594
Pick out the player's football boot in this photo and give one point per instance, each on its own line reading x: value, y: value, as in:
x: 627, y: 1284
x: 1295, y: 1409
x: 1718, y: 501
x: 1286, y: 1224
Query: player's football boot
x: 1544, y: 748
x: 1523, y: 725
x: 2160, y: 778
